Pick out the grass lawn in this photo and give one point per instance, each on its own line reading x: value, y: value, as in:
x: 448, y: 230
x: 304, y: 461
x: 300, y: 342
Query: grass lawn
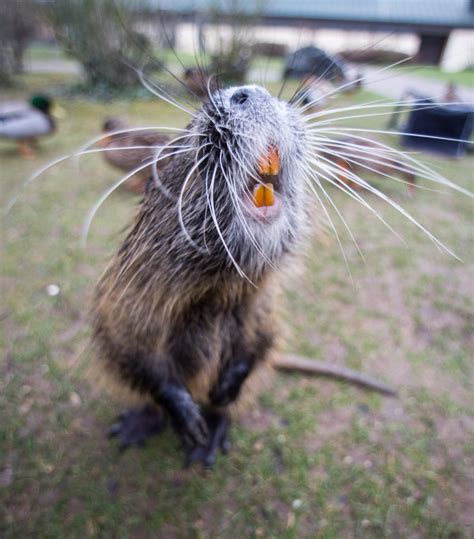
x: 463, y: 78
x: 43, y: 51
x: 313, y: 458
x: 39, y: 51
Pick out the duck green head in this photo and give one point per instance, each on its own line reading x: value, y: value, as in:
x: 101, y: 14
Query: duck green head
x: 41, y: 102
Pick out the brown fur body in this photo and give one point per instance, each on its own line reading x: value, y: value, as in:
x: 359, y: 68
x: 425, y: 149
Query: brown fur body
x: 188, y: 326
x: 185, y: 313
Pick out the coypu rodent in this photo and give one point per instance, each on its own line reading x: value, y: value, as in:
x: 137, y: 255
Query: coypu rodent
x: 185, y: 313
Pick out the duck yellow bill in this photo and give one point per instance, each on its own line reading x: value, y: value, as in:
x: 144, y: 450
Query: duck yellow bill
x: 58, y: 112
x: 264, y: 195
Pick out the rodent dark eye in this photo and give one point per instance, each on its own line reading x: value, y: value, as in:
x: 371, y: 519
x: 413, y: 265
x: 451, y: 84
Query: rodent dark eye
x: 239, y: 97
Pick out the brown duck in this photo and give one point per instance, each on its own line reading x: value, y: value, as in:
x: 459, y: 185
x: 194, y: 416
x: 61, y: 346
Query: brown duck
x: 362, y: 161
x: 116, y: 153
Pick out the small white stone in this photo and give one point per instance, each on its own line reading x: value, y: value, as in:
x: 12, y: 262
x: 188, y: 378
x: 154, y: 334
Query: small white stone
x: 44, y: 369
x: 297, y: 504
x: 52, y: 290
x: 74, y: 399
x: 365, y: 523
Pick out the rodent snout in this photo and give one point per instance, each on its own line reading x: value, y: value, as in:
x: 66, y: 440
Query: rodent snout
x: 243, y: 95
x: 240, y: 96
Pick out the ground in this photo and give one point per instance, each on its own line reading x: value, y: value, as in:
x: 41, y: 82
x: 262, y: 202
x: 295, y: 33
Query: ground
x: 313, y: 457
x: 464, y: 78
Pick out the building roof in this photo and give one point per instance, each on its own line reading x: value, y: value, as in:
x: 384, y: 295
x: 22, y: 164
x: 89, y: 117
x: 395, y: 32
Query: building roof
x: 432, y: 12
x: 443, y: 13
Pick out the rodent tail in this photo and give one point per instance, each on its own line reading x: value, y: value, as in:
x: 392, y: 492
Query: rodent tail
x: 292, y: 363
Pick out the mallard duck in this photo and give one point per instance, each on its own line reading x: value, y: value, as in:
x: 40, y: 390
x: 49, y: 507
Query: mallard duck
x: 25, y: 122
x: 126, y: 160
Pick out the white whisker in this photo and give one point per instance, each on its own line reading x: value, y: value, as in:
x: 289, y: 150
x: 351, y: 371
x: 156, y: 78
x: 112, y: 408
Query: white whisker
x: 108, y: 192
x: 180, y: 202
x: 435, y: 177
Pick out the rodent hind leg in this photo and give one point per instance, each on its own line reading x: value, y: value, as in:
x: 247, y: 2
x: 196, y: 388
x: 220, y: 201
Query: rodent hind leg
x: 134, y: 427
x: 231, y: 379
x: 186, y: 417
x: 218, y: 427
x: 154, y: 378
x: 225, y: 391
x: 236, y: 369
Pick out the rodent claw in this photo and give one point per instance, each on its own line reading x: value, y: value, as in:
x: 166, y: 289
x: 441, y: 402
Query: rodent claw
x: 217, y: 426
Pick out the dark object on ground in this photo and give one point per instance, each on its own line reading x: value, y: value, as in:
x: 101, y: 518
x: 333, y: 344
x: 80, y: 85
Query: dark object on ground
x: 312, y: 61
x: 430, y: 126
x: 373, y: 56
x: 316, y: 92
x: 274, y: 50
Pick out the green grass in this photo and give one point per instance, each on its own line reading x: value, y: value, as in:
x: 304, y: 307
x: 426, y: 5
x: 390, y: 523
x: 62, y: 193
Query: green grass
x: 41, y: 51
x: 314, y: 458
x: 463, y: 78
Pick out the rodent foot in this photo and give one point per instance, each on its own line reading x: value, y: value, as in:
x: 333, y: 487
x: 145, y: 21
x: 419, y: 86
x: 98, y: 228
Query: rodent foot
x: 218, y: 427
x: 134, y: 427
x: 191, y: 428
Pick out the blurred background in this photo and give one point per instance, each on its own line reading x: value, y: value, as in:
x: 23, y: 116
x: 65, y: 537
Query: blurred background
x: 314, y: 457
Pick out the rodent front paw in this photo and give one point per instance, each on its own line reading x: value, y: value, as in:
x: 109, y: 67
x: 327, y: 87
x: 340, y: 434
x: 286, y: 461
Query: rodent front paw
x: 191, y: 427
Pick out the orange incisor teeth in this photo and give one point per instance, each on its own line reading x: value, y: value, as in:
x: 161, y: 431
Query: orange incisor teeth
x: 263, y: 195
x: 269, y: 164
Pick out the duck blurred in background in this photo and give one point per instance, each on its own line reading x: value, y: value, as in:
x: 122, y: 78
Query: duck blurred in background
x: 25, y: 122
x: 199, y: 83
x: 354, y: 158
x: 130, y: 150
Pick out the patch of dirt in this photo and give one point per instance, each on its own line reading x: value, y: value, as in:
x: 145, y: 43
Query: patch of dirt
x: 434, y: 321
x: 330, y: 424
x: 259, y: 419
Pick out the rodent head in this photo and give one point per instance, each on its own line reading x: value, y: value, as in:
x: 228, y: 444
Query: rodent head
x: 250, y: 150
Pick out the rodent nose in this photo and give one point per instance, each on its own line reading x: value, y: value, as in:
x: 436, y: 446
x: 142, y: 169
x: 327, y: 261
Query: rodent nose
x: 239, y: 97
